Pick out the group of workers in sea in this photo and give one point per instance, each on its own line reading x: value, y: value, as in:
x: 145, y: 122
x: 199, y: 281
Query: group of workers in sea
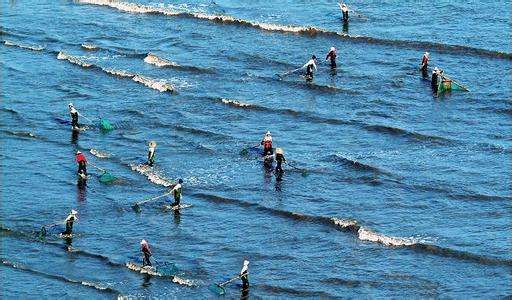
x: 266, y: 142
x: 175, y: 190
x: 439, y: 82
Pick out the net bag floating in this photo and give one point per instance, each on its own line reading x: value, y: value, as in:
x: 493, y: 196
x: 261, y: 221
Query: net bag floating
x: 107, y: 178
x: 105, y: 125
x: 217, y: 289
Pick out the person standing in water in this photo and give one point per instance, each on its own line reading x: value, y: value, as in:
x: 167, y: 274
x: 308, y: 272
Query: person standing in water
x: 71, y: 218
x: 279, y: 159
x: 244, y: 275
x: 344, y: 11
x: 332, y: 57
x: 176, y: 193
x: 74, y: 117
x: 146, y: 253
x: 424, y: 64
x: 309, y: 66
x: 151, y: 153
x: 435, y: 80
x: 82, y: 164
x: 266, y: 142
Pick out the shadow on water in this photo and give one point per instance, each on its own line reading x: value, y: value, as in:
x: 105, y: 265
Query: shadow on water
x: 177, y: 217
x: 81, y: 190
x: 146, y: 281
x: 74, y: 137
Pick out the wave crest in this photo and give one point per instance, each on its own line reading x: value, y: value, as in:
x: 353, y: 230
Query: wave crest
x: 151, y: 175
x: 157, y: 84
x: 24, y: 46
x: 368, y: 235
x: 159, y: 62
x: 307, y: 30
x: 88, y: 46
x: 73, y: 60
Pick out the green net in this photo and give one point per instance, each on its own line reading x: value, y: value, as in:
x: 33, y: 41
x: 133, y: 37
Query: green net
x: 167, y: 269
x: 217, y: 289
x: 107, y: 178
x: 446, y: 84
x: 105, y: 125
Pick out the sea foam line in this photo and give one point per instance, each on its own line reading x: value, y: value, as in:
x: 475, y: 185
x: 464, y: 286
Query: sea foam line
x: 160, y: 85
x: 307, y: 30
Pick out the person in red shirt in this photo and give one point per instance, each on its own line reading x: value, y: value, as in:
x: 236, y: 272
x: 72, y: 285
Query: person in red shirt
x: 146, y: 252
x: 267, y: 144
x: 82, y: 163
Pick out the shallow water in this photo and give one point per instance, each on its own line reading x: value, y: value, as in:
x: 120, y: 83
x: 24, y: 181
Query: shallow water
x: 403, y: 194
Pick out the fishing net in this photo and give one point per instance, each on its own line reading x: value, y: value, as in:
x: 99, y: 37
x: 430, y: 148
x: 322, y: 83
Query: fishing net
x: 105, y: 125
x: 107, y: 178
x: 167, y: 269
x: 50, y: 230
x: 217, y: 289
x: 446, y: 84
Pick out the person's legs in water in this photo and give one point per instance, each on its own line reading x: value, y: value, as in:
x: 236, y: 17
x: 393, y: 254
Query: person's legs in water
x: 177, y: 201
x: 145, y: 260
x: 74, y: 121
x: 69, y: 228
x: 82, y: 168
x: 245, y: 281
x: 278, y: 167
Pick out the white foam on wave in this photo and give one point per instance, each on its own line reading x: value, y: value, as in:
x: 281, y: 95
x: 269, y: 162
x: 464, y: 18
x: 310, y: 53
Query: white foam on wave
x: 151, y: 175
x: 24, y: 46
x: 94, y: 285
x: 88, y: 46
x: 100, y: 154
x: 159, y: 62
x: 368, y: 235
x: 235, y: 103
x: 129, y: 7
x: 73, y: 60
x: 183, y: 281
x: 141, y: 9
x: 344, y: 223
x: 157, y: 84
x: 120, y: 73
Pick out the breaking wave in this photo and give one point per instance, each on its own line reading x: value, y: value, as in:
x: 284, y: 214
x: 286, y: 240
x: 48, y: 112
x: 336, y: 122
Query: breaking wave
x: 24, y: 46
x: 157, y: 84
x: 159, y: 62
x: 100, y: 154
x: 97, y: 286
x: 152, y: 175
x: 162, y: 62
x: 118, y: 73
x: 362, y: 233
x: 295, y: 29
x: 88, y: 46
x: 73, y: 60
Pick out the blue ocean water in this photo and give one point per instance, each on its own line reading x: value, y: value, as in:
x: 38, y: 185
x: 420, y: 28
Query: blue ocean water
x: 393, y: 192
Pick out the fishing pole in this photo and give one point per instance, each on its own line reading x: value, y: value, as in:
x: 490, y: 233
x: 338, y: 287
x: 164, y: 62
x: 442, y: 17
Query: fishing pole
x: 245, y: 150
x: 303, y: 171
x: 288, y: 73
x: 136, y: 206
x: 219, y: 287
